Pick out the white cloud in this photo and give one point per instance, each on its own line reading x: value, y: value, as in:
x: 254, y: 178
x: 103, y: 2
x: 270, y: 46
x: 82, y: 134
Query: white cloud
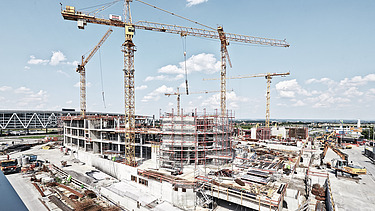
x: 171, y: 69
x: 152, y: 78
x: 358, y: 80
x: 213, y: 102
x: 34, y: 60
x: 164, y: 78
x: 203, y: 62
x: 57, y: 57
x: 328, y: 99
x: 290, y: 88
x: 322, y: 80
x: 155, y: 95
x: 23, y: 90
x: 353, y: 92
x: 29, y: 99
x: 5, y: 88
x: 143, y: 87
x: 371, y: 91
x: 299, y: 103
x: 74, y: 63
x: 88, y: 84
x: 69, y: 102
x: 194, y: 2
x: 63, y: 73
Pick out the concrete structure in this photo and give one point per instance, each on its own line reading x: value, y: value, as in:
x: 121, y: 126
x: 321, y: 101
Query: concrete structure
x: 192, y: 161
x: 104, y: 135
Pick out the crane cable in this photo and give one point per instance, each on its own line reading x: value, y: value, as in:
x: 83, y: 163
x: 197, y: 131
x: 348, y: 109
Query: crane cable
x: 174, y: 14
x: 101, y: 76
x: 183, y: 39
x: 102, y: 7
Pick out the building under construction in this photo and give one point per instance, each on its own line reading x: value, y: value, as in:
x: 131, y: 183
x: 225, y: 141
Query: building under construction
x: 104, y: 134
x: 195, y: 139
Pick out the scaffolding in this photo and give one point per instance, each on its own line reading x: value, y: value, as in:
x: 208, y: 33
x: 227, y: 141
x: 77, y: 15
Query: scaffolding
x: 195, y: 138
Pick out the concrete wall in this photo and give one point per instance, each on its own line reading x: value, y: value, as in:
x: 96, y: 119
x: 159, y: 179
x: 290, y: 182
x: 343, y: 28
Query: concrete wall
x: 162, y: 190
x: 128, y: 203
x: 278, y: 131
x: 117, y: 170
x: 253, y: 133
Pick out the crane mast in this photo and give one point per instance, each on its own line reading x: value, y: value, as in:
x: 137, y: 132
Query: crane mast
x: 82, y: 71
x: 129, y: 48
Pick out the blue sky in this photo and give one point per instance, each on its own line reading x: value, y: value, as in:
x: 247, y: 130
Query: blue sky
x: 331, y: 58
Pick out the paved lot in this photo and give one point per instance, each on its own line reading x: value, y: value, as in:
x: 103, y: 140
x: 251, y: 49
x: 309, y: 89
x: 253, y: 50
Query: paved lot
x: 352, y: 194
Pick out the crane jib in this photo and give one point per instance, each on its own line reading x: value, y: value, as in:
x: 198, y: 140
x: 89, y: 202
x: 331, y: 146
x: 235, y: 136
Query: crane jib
x: 175, y: 29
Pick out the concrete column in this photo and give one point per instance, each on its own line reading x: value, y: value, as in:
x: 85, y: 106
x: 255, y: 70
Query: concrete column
x: 64, y: 136
x: 141, y: 144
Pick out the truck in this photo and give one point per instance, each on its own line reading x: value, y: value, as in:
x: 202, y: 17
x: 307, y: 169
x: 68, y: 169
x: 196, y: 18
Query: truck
x: 9, y: 166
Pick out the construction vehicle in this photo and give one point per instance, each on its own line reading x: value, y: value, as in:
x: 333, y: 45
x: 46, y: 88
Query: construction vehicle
x: 344, y: 167
x: 9, y: 166
x: 341, y: 165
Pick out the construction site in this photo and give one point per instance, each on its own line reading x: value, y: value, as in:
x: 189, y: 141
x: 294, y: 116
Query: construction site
x: 181, y: 160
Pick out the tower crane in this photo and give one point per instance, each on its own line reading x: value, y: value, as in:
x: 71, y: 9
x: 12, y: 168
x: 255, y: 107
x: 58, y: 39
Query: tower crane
x: 268, y: 77
x: 69, y: 13
x: 82, y: 71
x: 178, y: 94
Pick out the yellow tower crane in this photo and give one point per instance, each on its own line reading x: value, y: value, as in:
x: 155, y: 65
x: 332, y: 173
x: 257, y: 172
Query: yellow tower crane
x: 267, y: 76
x: 178, y: 94
x: 82, y: 71
x: 82, y: 18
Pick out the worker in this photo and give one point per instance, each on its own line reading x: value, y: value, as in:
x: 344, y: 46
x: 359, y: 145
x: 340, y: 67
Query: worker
x: 8, y: 157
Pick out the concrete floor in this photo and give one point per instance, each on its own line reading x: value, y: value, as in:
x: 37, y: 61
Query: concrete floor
x: 27, y: 192
x: 351, y: 195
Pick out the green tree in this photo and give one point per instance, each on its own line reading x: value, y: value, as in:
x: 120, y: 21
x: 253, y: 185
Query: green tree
x: 367, y: 133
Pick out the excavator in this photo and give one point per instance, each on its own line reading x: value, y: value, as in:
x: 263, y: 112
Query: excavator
x: 341, y: 165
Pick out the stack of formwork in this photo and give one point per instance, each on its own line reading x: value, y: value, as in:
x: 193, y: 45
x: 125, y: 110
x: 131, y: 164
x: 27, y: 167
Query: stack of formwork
x: 194, y: 139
